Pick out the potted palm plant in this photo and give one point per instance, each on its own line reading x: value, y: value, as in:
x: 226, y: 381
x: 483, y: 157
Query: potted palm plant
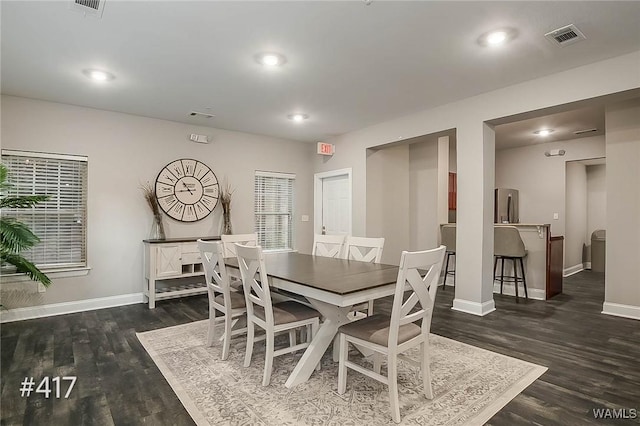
x: 15, y: 236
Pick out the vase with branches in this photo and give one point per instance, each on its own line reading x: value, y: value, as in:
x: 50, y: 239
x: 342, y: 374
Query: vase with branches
x: 15, y: 236
x: 158, y: 226
x: 225, y: 200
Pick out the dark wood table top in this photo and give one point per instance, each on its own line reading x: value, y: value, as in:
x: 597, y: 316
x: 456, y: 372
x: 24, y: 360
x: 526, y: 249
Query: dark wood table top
x: 337, y: 276
x: 180, y: 240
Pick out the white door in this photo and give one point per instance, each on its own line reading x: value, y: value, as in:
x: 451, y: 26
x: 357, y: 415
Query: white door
x: 333, y: 193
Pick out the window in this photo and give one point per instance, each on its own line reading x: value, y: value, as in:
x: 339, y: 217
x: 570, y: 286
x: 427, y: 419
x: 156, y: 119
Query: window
x: 274, y: 210
x: 59, y: 222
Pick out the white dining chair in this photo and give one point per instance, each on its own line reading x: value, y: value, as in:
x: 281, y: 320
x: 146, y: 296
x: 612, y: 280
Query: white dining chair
x: 231, y: 304
x: 364, y: 249
x: 328, y: 245
x: 229, y: 242
x: 392, y: 335
x: 271, y: 317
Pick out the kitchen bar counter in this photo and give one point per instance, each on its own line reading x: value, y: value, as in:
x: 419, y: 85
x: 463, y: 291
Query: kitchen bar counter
x: 543, y: 264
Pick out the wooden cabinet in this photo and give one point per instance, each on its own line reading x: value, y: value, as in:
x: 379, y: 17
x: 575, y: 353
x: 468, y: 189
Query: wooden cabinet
x: 172, y: 268
x: 453, y: 191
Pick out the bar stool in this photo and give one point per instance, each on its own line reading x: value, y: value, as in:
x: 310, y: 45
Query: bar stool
x: 508, y: 244
x: 448, y: 238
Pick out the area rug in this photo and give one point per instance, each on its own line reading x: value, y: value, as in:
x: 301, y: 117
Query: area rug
x: 470, y: 384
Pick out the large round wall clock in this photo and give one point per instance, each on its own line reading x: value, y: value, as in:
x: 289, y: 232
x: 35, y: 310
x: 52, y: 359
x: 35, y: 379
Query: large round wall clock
x: 187, y: 190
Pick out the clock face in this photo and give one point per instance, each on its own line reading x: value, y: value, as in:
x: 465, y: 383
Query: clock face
x: 187, y: 190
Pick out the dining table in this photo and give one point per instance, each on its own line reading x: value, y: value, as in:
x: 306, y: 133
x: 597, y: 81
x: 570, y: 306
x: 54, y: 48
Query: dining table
x: 332, y: 286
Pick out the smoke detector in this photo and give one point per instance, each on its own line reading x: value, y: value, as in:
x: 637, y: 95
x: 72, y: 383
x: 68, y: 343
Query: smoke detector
x: 565, y: 36
x: 92, y: 8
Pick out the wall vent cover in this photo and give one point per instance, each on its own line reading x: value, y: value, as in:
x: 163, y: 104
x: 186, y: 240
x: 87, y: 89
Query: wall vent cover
x: 88, y: 7
x: 566, y: 35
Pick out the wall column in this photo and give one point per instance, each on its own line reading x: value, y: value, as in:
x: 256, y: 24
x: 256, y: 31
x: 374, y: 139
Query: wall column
x: 474, y: 238
x: 622, y: 282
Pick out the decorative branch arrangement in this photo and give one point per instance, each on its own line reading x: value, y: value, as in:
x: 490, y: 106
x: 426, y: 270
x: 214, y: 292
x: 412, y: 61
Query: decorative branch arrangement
x: 225, y: 200
x: 150, y: 196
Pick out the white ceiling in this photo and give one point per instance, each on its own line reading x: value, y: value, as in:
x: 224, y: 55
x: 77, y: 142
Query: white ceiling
x: 564, y: 125
x: 349, y: 65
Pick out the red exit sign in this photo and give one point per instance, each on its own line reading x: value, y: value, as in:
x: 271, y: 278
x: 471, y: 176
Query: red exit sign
x: 325, y: 148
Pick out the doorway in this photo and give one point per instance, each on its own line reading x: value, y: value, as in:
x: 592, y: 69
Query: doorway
x: 585, y: 209
x: 332, y: 202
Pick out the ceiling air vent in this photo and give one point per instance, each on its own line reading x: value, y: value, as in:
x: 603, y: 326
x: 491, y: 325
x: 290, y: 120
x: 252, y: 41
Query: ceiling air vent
x: 201, y: 114
x: 582, y: 132
x: 565, y: 36
x: 88, y: 7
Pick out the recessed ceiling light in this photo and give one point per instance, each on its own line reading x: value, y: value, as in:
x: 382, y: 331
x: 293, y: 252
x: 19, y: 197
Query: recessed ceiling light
x: 544, y: 132
x: 298, y: 117
x: 270, y: 59
x: 497, y: 37
x: 98, y: 75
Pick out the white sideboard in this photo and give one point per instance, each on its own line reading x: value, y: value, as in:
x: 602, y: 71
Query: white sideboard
x: 172, y: 268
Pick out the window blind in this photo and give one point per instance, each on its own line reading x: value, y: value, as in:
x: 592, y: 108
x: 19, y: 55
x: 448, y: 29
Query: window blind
x: 274, y: 210
x: 60, y: 221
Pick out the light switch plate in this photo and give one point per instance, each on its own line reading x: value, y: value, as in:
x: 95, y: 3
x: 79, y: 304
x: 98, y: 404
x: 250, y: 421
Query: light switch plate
x: 556, y: 216
x: 305, y: 218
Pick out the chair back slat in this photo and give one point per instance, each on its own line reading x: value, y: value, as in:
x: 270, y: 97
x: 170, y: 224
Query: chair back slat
x: 229, y: 242
x: 364, y: 249
x: 254, y: 279
x: 215, y: 271
x: 420, y: 270
x: 328, y: 245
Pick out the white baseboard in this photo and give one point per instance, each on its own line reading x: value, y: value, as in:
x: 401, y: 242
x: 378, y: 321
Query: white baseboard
x: 19, y: 314
x: 587, y: 265
x: 572, y: 270
x: 620, y: 310
x: 509, y: 289
x: 475, y: 308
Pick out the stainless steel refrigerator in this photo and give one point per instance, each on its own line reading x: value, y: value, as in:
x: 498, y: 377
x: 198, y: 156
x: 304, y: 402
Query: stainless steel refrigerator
x: 506, y: 206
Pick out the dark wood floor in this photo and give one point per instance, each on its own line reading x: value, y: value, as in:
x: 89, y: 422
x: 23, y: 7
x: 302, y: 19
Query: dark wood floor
x: 593, y: 359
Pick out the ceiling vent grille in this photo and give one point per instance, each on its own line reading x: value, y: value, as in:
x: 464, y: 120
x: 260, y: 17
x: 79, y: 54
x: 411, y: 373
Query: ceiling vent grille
x: 88, y: 7
x: 582, y: 132
x: 201, y: 114
x: 565, y: 36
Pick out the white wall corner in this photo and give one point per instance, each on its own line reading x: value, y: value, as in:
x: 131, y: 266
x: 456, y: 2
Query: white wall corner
x: 572, y: 270
x: 474, y: 308
x: 19, y: 314
x: 620, y: 310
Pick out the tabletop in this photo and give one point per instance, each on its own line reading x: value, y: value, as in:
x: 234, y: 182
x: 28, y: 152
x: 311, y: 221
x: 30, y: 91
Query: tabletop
x: 338, y: 276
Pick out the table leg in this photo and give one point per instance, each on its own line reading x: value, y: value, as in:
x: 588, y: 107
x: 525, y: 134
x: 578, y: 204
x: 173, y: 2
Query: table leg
x: 334, y: 317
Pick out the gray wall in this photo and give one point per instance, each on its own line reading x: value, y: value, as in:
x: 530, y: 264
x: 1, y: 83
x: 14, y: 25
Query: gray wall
x: 423, y: 197
x: 623, y: 209
x: 575, y: 238
x: 596, y: 198
x: 388, y: 200
x: 402, y: 196
x: 541, y: 180
x: 126, y: 150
